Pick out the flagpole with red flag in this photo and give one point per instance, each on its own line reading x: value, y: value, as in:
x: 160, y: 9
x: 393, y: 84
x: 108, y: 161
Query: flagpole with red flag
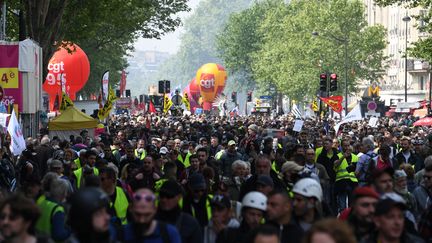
x: 151, y: 107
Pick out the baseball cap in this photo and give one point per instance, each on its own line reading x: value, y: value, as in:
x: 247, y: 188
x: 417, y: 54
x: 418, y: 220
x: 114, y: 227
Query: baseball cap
x: 389, y: 201
x: 265, y: 180
x: 291, y: 166
x: 170, y: 188
x: 220, y: 201
x: 365, y: 191
x: 197, y: 182
x: 163, y: 150
x: 399, y: 174
x: 231, y: 142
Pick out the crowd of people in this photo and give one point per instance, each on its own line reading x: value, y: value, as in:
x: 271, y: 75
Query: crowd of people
x: 210, y: 179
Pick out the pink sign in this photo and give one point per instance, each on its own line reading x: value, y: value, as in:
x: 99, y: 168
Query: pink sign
x: 10, y: 78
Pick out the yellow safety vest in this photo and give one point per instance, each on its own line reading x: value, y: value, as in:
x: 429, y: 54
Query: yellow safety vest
x: 48, y: 209
x: 143, y: 155
x: 219, y: 154
x: 78, y: 175
x: 342, y: 173
x: 318, y: 151
x: 121, y: 205
x: 77, y: 161
x: 208, y: 206
x: 186, y: 161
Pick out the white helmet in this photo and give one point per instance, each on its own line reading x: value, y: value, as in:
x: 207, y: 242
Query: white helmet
x: 255, y: 200
x: 308, y: 187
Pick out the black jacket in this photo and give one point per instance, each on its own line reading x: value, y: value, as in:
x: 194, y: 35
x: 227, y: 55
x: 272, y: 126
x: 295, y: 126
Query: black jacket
x: 251, y: 183
x: 188, y: 226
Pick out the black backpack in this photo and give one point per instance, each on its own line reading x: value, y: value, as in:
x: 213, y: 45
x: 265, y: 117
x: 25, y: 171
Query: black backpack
x: 7, y: 175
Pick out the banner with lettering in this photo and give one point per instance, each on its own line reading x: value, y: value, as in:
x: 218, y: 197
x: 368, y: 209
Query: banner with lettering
x: 10, y: 78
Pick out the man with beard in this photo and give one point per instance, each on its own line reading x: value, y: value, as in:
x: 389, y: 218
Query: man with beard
x: 143, y: 226
x: 169, y: 212
x: 360, y: 215
x: 228, y: 157
x: 407, y: 155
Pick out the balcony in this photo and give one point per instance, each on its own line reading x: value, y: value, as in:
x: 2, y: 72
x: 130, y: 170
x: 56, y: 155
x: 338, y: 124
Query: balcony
x: 417, y: 66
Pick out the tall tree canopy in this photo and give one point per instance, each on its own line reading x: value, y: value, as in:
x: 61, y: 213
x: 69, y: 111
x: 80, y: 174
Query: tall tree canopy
x: 283, y: 52
x: 105, y: 29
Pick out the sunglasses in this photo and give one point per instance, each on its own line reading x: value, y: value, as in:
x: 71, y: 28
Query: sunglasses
x: 144, y: 197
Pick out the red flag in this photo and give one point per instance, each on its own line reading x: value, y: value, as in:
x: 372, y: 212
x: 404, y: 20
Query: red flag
x: 151, y: 107
x: 122, y: 83
x: 335, y: 102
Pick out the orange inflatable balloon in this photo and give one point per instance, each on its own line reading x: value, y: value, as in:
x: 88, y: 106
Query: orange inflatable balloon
x: 211, y: 78
x: 73, y: 68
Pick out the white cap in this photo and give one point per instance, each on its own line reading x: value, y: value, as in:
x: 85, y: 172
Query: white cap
x: 255, y: 200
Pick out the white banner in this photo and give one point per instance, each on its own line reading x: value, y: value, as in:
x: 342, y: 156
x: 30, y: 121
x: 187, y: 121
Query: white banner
x: 17, y: 139
x: 105, y: 82
x: 353, y: 115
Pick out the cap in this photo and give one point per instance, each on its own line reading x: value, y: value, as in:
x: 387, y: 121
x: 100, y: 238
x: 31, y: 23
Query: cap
x: 399, y: 174
x: 220, y: 201
x: 163, y: 150
x: 231, y: 142
x: 171, y: 188
x: 253, y: 127
x: 197, y: 181
x: 265, y: 180
x: 291, y: 166
x: 389, y: 201
x: 365, y: 191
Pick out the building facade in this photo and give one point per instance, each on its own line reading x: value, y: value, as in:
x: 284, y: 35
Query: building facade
x: 399, y: 34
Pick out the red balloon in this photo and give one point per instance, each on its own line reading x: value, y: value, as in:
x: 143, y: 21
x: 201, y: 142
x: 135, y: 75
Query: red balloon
x: 73, y: 68
x: 194, y: 89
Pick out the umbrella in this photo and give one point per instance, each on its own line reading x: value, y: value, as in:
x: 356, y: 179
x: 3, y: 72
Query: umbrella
x: 426, y: 121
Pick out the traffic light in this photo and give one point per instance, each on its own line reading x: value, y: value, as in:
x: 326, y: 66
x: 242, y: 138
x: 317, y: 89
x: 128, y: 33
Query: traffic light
x: 323, y: 82
x: 249, y: 96
x: 161, y: 87
x: 167, y: 86
x: 234, y: 97
x: 333, y: 82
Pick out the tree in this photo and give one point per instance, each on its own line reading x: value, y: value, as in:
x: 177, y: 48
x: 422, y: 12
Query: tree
x: 240, y: 38
x: 198, y: 42
x: 105, y: 29
x: 291, y: 58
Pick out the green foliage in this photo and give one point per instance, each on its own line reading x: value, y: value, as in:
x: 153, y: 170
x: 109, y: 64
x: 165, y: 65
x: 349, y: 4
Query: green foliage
x: 198, y: 42
x: 104, y: 29
x: 283, y: 52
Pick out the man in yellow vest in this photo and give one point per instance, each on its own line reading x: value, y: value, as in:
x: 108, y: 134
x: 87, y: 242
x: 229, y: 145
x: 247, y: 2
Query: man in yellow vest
x: 346, y: 180
x: 119, y: 200
x: 197, y: 200
x: 87, y: 169
x: 140, y: 152
x: 184, y: 154
x: 81, y: 157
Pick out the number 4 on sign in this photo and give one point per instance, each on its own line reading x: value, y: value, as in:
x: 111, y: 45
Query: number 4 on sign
x: 4, y: 78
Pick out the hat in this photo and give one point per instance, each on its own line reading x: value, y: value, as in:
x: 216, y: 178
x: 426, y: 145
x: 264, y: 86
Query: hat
x: 291, y: 166
x: 197, y: 181
x: 253, y: 127
x: 231, y: 142
x: 220, y: 201
x: 171, y: 188
x: 265, y: 180
x: 389, y: 201
x: 399, y: 174
x: 163, y: 150
x: 365, y: 191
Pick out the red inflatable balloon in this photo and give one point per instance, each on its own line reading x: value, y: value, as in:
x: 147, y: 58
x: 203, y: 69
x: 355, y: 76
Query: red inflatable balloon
x: 194, y: 89
x: 73, y: 68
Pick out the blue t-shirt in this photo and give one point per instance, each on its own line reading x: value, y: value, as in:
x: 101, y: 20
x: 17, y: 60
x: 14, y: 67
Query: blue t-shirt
x: 130, y: 237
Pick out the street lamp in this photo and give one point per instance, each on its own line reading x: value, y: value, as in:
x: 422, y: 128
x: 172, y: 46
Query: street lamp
x: 406, y: 19
x: 345, y: 42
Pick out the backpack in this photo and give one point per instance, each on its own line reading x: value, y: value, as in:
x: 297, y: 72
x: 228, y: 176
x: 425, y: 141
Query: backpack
x: 7, y: 175
x: 370, y: 166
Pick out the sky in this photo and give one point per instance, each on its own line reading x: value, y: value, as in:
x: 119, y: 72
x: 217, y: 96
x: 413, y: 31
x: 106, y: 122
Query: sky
x: 171, y: 41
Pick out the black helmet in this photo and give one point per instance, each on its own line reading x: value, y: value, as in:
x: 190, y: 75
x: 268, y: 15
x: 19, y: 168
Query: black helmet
x: 84, y: 203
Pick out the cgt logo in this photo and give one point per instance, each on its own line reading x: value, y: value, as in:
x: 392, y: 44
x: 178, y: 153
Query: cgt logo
x: 207, y: 81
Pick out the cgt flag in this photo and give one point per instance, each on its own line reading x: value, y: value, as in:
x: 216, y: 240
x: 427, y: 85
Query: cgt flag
x: 106, y: 109
x: 17, y: 144
x: 335, y: 102
x: 185, y: 100
x: 167, y: 103
x: 66, y: 102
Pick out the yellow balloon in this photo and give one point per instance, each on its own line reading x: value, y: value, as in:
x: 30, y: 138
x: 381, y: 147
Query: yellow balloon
x: 211, y: 79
